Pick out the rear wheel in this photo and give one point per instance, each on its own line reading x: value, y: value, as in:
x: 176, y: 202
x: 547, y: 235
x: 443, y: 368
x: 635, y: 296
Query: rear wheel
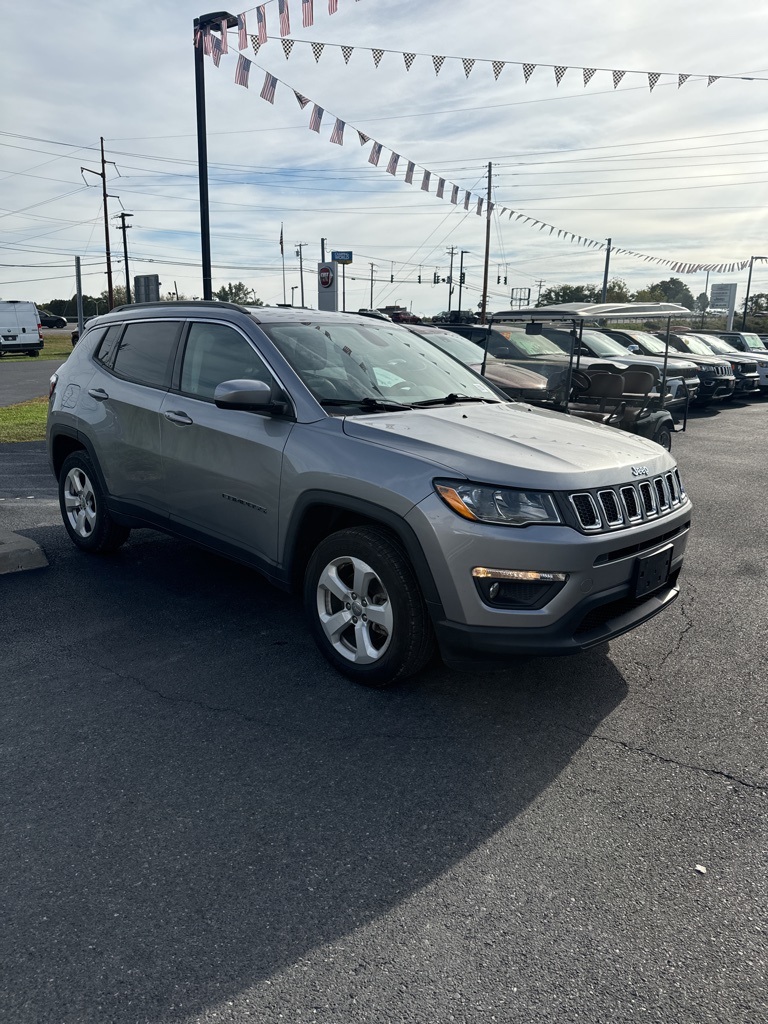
x: 84, y: 509
x: 33, y: 352
x: 365, y: 607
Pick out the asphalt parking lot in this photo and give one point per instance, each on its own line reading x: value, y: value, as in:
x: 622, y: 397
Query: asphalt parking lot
x: 203, y: 823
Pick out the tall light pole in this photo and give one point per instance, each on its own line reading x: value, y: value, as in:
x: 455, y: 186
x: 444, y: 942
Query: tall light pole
x: 452, y: 251
x: 749, y: 285
x: 205, y: 21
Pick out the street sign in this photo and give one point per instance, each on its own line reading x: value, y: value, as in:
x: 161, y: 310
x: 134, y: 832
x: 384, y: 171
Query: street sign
x: 342, y: 256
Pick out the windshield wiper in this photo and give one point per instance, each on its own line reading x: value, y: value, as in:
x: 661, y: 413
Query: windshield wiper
x: 366, y: 404
x: 452, y: 399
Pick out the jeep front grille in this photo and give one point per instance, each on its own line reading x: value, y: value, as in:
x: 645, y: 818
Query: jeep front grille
x: 610, y: 509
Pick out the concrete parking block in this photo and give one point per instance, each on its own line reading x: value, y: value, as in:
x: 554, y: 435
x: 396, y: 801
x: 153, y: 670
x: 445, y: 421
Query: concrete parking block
x: 18, y: 553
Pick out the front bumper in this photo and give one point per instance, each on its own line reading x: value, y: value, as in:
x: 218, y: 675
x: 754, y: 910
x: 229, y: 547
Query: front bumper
x: 595, y: 603
x: 594, y: 622
x: 716, y: 387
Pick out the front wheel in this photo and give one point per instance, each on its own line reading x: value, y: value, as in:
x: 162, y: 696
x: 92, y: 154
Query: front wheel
x: 365, y: 607
x: 84, y: 509
x: 663, y: 436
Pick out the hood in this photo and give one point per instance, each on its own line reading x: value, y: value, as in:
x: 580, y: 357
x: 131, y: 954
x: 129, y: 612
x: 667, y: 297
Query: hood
x: 507, y: 375
x: 512, y: 444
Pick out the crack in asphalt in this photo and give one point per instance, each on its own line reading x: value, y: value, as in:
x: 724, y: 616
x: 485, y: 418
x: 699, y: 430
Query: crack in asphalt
x: 702, y: 769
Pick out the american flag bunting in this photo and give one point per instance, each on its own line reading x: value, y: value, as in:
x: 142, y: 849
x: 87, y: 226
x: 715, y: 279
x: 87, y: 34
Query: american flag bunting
x: 375, y: 154
x: 207, y: 45
x: 466, y: 200
x: 224, y: 40
x: 455, y: 194
x: 285, y: 17
x: 243, y: 70
x: 261, y: 23
x: 268, y: 89
x: 216, y: 50
x: 242, y: 33
x: 394, y: 160
x: 333, y: 6
x: 307, y: 13
x: 440, y: 188
x: 425, y: 181
x: 337, y: 135
x: 317, y: 117
x: 409, y: 172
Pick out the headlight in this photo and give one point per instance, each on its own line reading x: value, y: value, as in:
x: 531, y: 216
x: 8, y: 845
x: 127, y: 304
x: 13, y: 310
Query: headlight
x: 503, y: 506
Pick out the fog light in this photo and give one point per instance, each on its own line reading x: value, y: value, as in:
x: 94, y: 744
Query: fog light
x: 517, y: 588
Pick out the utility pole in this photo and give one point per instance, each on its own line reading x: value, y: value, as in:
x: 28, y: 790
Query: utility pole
x: 373, y: 267
x: 538, y: 297
x: 487, y: 247
x: 604, y: 296
x: 123, y: 228
x: 452, y: 251
x: 103, y: 175
x: 300, y: 254
x: 464, y: 252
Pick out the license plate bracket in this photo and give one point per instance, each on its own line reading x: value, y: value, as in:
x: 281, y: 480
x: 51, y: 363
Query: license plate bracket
x: 652, y: 571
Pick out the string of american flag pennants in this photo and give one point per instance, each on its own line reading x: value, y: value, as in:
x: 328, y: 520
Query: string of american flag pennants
x: 215, y: 47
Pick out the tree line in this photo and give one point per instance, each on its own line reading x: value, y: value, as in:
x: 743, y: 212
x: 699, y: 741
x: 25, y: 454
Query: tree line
x: 93, y: 305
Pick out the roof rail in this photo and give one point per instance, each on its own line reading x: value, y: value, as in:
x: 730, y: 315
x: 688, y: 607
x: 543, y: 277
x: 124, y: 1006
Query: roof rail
x: 163, y: 303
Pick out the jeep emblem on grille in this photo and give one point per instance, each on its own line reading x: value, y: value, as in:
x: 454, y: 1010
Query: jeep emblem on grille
x: 639, y: 471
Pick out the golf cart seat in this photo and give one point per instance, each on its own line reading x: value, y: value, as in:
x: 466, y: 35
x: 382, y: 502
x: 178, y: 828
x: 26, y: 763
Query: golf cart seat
x: 602, y: 399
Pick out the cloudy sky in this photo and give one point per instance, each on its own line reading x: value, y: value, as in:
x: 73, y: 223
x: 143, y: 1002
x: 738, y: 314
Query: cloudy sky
x: 676, y: 173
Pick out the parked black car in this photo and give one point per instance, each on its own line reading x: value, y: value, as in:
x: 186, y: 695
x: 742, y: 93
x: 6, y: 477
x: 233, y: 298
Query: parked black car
x: 716, y: 377
x: 48, y: 319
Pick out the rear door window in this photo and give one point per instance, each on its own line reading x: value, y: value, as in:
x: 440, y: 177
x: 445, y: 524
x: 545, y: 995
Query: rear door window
x: 146, y: 352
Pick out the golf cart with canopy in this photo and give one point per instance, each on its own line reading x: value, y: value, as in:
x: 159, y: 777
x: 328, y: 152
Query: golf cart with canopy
x: 630, y: 394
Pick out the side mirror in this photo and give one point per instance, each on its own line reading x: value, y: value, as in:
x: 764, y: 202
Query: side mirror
x: 249, y: 395
x: 634, y: 348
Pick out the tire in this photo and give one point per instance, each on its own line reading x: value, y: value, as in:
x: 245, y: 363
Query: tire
x: 663, y: 436
x: 84, y: 509
x: 350, y: 573
x: 34, y: 353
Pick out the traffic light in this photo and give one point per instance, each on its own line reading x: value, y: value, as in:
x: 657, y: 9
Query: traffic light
x: 436, y: 278
x: 419, y: 279
x: 462, y: 277
x: 498, y: 279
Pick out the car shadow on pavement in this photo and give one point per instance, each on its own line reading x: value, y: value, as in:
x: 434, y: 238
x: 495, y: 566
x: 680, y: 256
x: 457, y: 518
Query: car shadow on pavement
x: 196, y: 800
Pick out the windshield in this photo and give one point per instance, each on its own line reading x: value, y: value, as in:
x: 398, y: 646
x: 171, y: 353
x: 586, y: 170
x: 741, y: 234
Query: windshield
x: 695, y: 345
x: 648, y: 341
x: 353, y: 363
x: 717, y: 344
x: 529, y: 344
x: 456, y: 346
x: 753, y: 341
x: 599, y: 343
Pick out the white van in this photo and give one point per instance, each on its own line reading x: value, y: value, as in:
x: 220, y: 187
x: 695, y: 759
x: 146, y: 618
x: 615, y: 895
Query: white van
x: 20, y: 329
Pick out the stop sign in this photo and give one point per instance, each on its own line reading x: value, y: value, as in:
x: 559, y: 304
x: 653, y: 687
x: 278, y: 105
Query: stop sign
x: 326, y: 277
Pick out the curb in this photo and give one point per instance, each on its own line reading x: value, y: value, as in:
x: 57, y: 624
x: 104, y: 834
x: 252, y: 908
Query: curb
x: 18, y: 553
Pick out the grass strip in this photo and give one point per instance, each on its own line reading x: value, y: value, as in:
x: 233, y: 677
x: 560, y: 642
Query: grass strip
x: 24, y: 422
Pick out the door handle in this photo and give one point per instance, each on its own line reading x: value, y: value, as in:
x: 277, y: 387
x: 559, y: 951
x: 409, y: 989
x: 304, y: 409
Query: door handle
x: 178, y: 417
x: 99, y: 394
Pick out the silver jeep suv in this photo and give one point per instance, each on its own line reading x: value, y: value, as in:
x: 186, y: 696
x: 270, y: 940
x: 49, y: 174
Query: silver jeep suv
x: 412, y: 503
